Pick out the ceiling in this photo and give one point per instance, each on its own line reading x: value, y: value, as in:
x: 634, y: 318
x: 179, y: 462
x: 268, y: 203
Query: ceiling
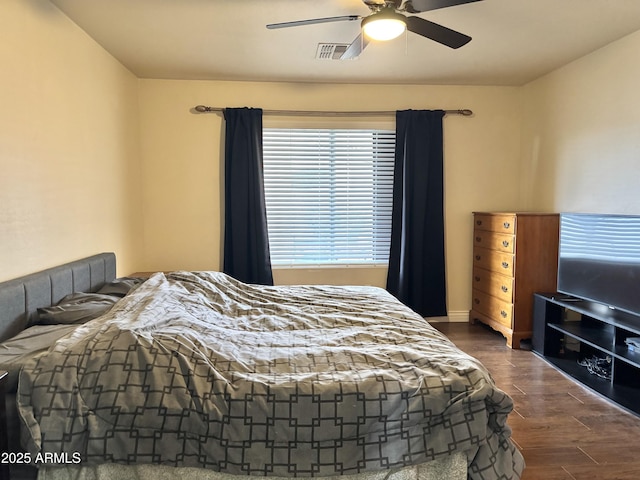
x: 514, y: 41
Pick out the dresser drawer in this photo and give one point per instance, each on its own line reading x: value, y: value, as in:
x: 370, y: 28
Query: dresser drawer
x: 500, y: 286
x: 492, y: 307
x: 494, y: 241
x: 495, y: 223
x: 493, y: 260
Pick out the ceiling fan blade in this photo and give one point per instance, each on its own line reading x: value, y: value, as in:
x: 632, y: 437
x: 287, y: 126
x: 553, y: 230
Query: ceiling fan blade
x: 437, y: 33
x: 313, y: 21
x: 417, y: 6
x: 355, y: 49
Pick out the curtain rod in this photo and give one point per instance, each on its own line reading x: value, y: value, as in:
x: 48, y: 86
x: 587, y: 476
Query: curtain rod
x: 205, y: 109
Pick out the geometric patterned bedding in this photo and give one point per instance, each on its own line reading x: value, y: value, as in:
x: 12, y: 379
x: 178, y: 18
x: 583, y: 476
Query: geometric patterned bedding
x: 196, y: 369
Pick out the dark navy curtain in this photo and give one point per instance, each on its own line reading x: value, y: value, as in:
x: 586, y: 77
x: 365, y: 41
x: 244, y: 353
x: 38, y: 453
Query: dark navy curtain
x: 416, y: 260
x: 246, y: 241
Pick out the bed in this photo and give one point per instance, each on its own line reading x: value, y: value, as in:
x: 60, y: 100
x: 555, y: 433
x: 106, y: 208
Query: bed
x: 197, y: 375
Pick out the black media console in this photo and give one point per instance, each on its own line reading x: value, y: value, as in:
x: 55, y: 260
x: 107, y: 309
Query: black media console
x: 574, y: 335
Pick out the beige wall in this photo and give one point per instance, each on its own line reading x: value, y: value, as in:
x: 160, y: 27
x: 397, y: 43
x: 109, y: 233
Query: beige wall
x: 581, y: 134
x: 182, y: 152
x: 69, y: 151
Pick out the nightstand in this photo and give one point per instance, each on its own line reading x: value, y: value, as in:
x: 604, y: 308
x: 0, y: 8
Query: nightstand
x: 4, y: 443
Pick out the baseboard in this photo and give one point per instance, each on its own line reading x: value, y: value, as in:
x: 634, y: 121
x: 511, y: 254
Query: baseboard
x: 452, y: 317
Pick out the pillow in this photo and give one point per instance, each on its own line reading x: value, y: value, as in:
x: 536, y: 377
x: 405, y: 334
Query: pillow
x: 121, y: 286
x: 76, y: 308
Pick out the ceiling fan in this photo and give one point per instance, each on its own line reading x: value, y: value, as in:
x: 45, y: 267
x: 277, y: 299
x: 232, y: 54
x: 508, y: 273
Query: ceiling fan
x: 387, y: 21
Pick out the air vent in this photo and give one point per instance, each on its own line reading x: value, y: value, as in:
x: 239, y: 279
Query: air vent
x: 331, y: 51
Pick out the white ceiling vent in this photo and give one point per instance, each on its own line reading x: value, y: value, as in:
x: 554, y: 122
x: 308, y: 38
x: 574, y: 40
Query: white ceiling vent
x: 331, y: 51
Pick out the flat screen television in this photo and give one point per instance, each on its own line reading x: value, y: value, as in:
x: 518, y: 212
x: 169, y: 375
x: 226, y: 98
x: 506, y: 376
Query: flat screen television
x: 599, y: 259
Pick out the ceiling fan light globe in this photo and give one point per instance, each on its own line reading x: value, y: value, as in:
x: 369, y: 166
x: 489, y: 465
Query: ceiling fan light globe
x: 384, y: 25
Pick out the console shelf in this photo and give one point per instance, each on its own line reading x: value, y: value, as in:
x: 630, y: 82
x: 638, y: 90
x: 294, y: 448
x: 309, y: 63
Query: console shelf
x: 568, y: 331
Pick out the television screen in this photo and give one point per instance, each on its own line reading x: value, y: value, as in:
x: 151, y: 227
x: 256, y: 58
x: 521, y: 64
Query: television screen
x: 599, y: 259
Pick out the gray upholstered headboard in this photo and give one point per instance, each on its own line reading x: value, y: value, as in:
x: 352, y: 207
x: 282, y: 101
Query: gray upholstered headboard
x: 21, y: 297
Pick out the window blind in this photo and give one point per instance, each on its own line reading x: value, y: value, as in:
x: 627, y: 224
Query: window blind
x: 328, y: 195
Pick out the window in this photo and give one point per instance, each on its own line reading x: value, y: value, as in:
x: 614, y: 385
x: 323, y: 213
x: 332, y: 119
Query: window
x: 328, y: 195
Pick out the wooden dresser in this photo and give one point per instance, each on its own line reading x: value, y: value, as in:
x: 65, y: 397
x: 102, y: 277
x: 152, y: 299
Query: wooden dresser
x: 514, y: 256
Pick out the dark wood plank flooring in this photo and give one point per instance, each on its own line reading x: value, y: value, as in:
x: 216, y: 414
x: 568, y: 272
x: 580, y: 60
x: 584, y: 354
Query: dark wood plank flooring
x: 563, y: 429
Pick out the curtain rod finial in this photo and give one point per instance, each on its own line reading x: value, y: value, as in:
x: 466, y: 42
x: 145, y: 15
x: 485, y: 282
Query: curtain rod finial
x: 202, y: 108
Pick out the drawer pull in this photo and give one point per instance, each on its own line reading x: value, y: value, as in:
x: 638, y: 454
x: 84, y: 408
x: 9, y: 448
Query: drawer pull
x: 503, y: 314
x: 505, y: 243
x: 478, y: 239
x: 505, y: 289
x: 476, y: 301
x: 478, y: 257
x: 506, y: 224
x: 478, y: 222
x: 476, y: 278
x: 505, y: 265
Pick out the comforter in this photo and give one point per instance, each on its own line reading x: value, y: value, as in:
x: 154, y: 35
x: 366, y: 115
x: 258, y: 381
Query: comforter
x: 198, y: 369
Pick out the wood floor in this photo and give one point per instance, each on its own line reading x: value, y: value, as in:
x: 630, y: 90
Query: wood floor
x: 563, y: 430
